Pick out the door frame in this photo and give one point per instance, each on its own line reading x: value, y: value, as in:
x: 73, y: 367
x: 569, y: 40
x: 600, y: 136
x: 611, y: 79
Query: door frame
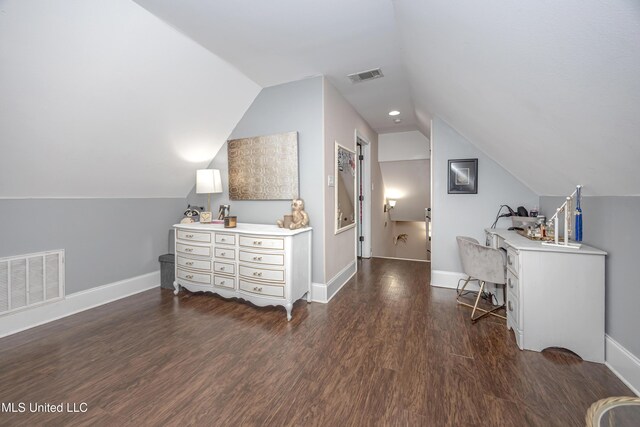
x: 366, y: 205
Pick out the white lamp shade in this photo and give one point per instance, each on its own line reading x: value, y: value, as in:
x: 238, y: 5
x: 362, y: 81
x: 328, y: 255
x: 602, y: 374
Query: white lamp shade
x: 392, y: 203
x: 208, y: 181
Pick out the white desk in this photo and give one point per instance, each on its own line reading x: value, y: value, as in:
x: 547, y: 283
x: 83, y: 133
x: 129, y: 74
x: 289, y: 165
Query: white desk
x: 555, y: 296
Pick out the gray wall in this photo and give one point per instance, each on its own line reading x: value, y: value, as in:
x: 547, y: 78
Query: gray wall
x: 105, y: 240
x: 611, y: 224
x: 295, y: 106
x: 467, y: 214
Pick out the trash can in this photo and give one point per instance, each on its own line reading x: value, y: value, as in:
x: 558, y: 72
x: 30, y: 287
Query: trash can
x: 167, y: 270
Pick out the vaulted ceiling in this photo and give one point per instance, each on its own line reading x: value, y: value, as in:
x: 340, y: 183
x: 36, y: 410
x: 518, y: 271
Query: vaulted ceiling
x: 549, y: 89
x: 103, y: 99
x: 90, y: 89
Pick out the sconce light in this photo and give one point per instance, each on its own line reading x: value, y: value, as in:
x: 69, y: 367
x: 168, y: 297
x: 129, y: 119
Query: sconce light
x: 389, y: 205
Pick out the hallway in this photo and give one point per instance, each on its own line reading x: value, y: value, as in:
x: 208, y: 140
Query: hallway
x: 387, y: 350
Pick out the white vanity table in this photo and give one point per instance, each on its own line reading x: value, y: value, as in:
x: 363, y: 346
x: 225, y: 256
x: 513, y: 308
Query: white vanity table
x: 263, y: 264
x: 555, y: 295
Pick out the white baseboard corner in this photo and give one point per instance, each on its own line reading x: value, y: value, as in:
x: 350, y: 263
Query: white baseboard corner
x: 402, y: 259
x: 77, y: 302
x: 623, y: 363
x: 323, y: 293
x: 446, y: 279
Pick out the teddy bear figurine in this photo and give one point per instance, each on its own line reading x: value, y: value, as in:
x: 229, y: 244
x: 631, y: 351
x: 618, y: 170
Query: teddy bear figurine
x: 298, y: 217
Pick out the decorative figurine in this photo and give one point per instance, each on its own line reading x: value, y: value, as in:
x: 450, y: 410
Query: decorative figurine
x: 299, y: 218
x: 192, y: 214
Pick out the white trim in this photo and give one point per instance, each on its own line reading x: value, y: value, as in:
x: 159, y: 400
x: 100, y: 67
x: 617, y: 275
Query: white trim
x: 449, y: 280
x: 77, y: 302
x: 402, y: 259
x: 318, y: 292
x: 366, y: 213
x: 324, y: 292
x: 623, y: 363
x: 446, y: 279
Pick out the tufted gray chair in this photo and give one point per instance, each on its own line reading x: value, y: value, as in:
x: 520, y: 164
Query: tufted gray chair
x: 483, y: 264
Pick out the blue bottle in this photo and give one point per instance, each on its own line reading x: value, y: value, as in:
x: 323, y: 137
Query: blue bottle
x: 578, y: 228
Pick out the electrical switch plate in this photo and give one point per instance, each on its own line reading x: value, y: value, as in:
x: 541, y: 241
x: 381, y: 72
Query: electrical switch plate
x: 331, y: 181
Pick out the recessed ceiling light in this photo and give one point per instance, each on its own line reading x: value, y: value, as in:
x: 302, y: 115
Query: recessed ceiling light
x: 397, y: 120
x: 394, y: 113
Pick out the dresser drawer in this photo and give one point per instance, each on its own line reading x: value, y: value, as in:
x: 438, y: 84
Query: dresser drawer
x: 262, y: 258
x: 513, y: 261
x: 261, y: 242
x: 195, y: 236
x: 194, y: 277
x: 199, y: 264
x: 513, y: 310
x: 225, y: 238
x: 262, y: 273
x: 224, y: 282
x: 513, y: 284
x: 262, y: 289
x: 225, y: 253
x: 224, y: 267
x: 193, y: 250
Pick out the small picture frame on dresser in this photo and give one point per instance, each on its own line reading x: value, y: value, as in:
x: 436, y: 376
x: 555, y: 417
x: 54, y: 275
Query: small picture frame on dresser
x: 205, y: 217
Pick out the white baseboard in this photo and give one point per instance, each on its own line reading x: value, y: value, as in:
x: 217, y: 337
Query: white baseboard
x: 449, y: 280
x: 402, y: 259
x: 77, y: 302
x: 623, y: 363
x: 318, y: 292
x: 323, y: 293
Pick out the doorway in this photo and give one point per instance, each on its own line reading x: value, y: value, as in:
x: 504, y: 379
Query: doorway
x: 363, y: 197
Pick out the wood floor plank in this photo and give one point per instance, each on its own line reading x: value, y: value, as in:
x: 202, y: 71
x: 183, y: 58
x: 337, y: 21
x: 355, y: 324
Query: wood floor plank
x: 387, y: 350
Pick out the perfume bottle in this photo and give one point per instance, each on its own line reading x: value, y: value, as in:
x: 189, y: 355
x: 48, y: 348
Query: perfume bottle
x: 578, y: 215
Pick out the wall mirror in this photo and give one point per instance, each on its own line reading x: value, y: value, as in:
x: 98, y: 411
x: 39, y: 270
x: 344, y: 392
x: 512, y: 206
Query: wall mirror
x: 345, y: 188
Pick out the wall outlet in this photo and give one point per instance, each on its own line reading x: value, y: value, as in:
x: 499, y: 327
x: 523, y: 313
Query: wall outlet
x: 331, y: 181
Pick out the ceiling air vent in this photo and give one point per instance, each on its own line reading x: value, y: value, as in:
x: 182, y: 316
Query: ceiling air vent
x: 363, y: 76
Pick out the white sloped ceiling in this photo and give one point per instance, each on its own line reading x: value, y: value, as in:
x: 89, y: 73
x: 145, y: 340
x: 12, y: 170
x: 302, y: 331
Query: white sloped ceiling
x: 549, y: 89
x: 102, y: 99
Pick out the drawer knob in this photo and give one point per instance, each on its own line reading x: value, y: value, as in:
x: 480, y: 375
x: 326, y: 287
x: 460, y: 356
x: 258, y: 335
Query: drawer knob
x: 510, y: 284
x: 258, y: 289
x: 223, y: 240
x: 257, y: 258
x: 223, y: 253
x: 189, y: 263
x: 510, y: 306
x: 222, y: 282
x: 189, y: 276
x: 189, y: 235
x: 222, y: 268
x: 188, y: 250
x: 257, y: 242
x: 258, y: 274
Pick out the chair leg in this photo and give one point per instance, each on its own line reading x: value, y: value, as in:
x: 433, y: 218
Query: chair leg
x: 463, y: 286
x: 475, y: 306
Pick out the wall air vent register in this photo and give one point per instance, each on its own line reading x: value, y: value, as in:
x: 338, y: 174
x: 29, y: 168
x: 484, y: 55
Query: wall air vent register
x: 31, y: 280
x: 363, y: 76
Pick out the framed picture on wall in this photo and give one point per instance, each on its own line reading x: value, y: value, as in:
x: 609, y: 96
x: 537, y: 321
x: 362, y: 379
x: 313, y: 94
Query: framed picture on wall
x: 463, y: 176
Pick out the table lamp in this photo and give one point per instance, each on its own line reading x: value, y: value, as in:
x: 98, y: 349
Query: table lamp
x: 208, y: 181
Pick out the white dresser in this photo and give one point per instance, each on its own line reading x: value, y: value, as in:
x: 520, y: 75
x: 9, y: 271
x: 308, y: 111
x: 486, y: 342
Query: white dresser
x: 555, y: 296
x: 263, y: 264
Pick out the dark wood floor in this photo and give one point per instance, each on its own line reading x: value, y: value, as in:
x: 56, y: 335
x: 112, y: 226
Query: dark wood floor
x: 387, y: 350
